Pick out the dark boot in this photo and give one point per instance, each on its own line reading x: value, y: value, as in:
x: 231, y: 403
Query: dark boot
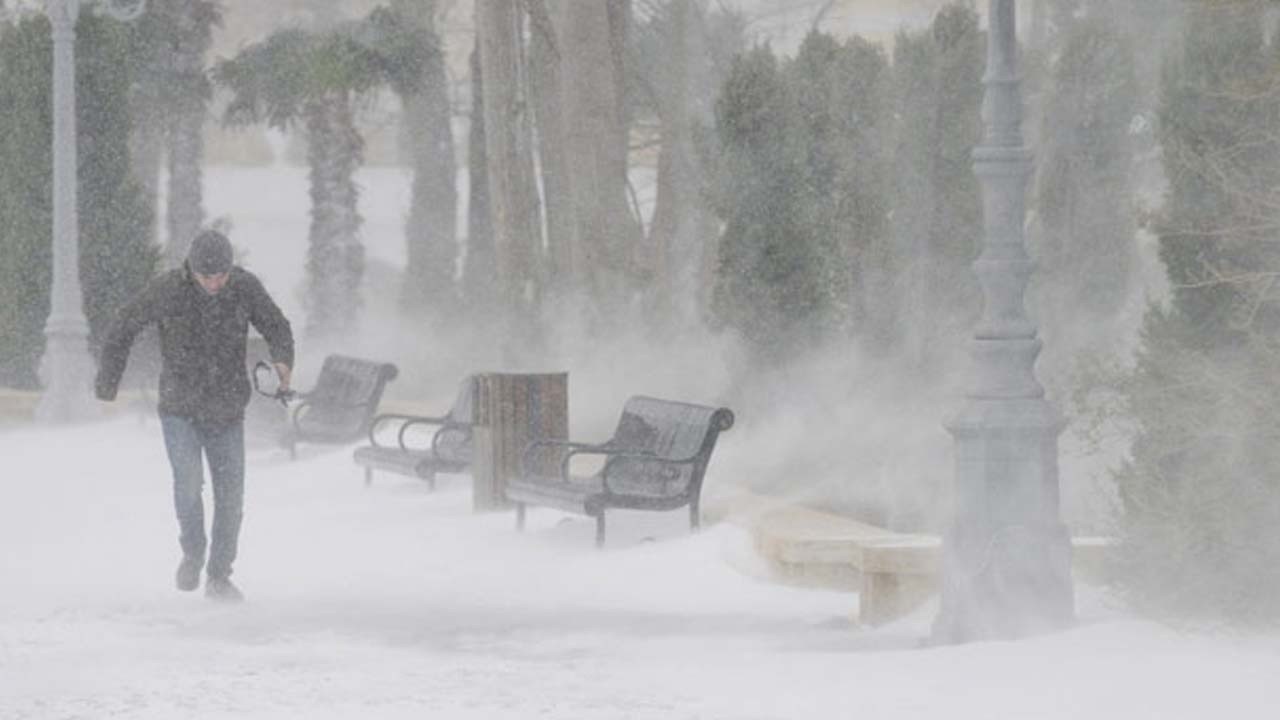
x: 222, y: 590
x: 188, y: 576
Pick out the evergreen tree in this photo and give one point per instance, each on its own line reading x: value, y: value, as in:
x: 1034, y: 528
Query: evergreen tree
x: 1200, y: 493
x: 770, y: 279
x: 937, y: 213
x: 839, y: 109
x: 26, y: 222
x: 1085, y: 245
x: 803, y: 189
x: 117, y: 252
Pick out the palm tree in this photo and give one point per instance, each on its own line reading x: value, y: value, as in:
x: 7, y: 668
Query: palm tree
x: 173, y: 91
x: 408, y: 39
x: 315, y: 79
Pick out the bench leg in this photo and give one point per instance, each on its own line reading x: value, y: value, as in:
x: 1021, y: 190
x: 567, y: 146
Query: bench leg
x: 293, y: 451
x: 600, y: 529
x: 431, y: 482
x: 695, y: 517
x: 520, y: 517
x: 368, y: 476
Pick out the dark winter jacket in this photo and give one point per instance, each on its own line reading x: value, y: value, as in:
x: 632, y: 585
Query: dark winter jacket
x: 202, y: 343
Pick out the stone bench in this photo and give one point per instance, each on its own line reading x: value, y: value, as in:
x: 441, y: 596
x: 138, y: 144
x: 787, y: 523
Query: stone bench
x: 893, y: 572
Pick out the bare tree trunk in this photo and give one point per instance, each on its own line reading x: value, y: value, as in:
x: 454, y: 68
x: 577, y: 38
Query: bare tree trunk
x: 431, y: 231
x: 478, y: 284
x: 682, y: 229
x: 606, y: 259
x: 548, y: 96
x: 517, y: 220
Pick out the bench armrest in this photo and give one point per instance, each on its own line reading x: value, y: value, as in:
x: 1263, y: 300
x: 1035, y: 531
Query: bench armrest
x: 405, y: 420
x: 642, y: 458
x: 445, y: 429
x: 298, y: 411
x: 307, y: 403
x: 569, y: 447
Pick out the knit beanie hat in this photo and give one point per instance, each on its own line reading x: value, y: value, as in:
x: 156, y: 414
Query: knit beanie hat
x: 210, y: 253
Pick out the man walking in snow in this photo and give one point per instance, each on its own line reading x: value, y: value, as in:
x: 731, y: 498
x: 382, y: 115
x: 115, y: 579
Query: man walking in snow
x: 203, y: 311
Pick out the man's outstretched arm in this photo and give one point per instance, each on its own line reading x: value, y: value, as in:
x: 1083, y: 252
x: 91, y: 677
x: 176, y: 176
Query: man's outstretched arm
x: 130, y: 321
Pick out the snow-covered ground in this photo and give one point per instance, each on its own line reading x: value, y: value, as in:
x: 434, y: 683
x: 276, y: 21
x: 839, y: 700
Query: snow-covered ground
x: 393, y: 602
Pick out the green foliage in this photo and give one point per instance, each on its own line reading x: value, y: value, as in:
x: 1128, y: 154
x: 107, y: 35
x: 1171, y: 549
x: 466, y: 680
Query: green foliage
x: 755, y: 200
x: 1217, y: 117
x: 1083, y: 197
x: 273, y: 80
x: 1200, y: 523
x: 405, y: 47
x: 937, y: 208
x: 118, y: 254
x: 841, y: 94
x: 26, y: 189
x: 161, y: 84
x: 117, y: 251
x: 1201, y: 520
x: 314, y: 78
x: 783, y: 277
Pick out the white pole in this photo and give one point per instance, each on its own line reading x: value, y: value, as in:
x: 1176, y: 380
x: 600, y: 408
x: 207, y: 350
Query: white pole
x: 67, y: 368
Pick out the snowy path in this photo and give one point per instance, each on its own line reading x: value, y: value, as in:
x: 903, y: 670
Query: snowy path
x: 395, y: 603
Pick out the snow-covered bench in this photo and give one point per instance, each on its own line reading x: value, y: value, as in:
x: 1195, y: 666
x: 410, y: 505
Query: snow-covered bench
x: 893, y: 572
x: 448, y: 450
x: 341, y: 406
x: 655, y: 461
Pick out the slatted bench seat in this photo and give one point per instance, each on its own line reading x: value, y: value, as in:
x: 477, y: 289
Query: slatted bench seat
x: 449, y: 448
x: 341, y: 406
x: 655, y: 460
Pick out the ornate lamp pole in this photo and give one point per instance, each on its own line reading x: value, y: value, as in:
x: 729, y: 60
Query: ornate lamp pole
x: 66, y: 368
x: 1007, y: 555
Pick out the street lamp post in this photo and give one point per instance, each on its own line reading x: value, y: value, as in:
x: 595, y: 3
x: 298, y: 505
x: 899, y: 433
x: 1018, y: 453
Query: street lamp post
x: 1007, y: 555
x: 66, y: 368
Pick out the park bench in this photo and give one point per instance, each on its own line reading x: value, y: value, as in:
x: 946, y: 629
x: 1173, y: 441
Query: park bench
x: 341, y: 405
x: 449, y: 449
x: 655, y: 461
x: 893, y: 572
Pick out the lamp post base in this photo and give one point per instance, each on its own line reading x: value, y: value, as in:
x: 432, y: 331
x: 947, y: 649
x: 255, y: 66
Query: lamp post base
x: 1006, y: 563
x: 67, y: 373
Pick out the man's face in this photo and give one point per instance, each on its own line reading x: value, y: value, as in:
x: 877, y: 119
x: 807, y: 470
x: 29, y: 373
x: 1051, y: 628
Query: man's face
x: 212, y: 284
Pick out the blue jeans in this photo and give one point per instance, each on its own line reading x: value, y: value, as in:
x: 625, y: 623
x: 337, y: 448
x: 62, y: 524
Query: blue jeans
x: 188, y: 444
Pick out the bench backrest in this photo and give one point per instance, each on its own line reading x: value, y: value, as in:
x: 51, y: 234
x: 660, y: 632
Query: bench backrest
x: 670, y: 430
x: 346, y: 395
x: 454, y: 443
